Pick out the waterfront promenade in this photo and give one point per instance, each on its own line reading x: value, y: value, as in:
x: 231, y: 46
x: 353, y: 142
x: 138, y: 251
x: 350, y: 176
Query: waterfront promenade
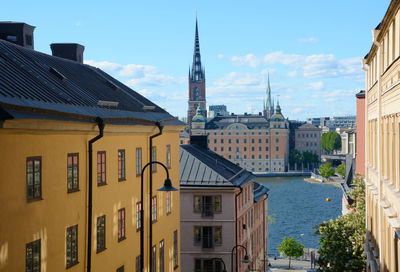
x: 280, y: 265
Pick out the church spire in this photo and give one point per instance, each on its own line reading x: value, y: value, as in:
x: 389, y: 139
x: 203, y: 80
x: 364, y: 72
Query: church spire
x: 197, y: 70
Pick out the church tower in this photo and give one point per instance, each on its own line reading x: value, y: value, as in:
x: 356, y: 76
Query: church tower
x: 269, y: 105
x: 197, y: 82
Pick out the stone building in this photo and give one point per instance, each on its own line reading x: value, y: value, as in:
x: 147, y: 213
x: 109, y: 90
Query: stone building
x: 308, y: 138
x: 221, y: 207
x: 382, y: 172
x: 251, y: 141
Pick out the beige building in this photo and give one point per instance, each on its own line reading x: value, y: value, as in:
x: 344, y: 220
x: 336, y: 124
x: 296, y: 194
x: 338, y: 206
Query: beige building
x: 308, y: 138
x: 382, y: 98
x: 252, y: 141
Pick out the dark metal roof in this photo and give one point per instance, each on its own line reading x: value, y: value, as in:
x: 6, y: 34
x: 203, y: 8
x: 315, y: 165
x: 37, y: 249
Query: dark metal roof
x: 259, y: 191
x: 34, y: 82
x: 250, y: 121
x: 202, y: 167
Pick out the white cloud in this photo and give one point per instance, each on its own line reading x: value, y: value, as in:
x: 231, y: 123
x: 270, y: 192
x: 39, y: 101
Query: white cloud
x: 292, y: 73
x: 317, y: 85
x: 78, y: 23
x: 297, y: 110
x: 221, y: 56
x: 308, y: 40
x: 312, y: 66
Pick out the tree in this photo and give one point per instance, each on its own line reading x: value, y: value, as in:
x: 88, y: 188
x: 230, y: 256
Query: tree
x: 295, y: 157
x: 291, y: 248
x: 331, y: 141
x: 341, y: 241
x: 326, y: 170
x: 341, y: 170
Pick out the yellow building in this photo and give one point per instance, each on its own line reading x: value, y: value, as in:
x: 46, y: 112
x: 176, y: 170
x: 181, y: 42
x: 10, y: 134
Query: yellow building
x: 66, y: 127
x: 382, y: 177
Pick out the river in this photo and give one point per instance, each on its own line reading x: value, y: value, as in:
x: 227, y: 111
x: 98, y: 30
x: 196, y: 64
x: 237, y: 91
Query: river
x: 297, y: 207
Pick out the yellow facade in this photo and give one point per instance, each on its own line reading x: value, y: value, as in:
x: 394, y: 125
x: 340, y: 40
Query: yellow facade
x: 382, y: 66
x: 23, y: 221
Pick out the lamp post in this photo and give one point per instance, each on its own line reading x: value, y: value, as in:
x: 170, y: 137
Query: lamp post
x: 167, y: 187
x: 244, y: 260
x: 220, y: 259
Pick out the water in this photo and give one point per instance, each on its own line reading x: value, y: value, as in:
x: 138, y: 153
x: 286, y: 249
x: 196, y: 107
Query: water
x: 297, y: 207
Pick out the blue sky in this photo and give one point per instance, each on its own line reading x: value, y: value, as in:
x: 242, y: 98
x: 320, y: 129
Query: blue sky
x: 312, y: 49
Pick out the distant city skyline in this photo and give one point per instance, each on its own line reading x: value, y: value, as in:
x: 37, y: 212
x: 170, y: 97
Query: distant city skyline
x: 311, y: 49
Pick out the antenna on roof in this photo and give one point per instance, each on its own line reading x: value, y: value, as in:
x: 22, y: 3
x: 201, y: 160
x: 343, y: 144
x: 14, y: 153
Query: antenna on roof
x: 148, y: 108
x: 107, y: 104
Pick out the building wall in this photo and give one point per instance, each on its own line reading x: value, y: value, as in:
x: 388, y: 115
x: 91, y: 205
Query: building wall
x: 48, y: 219
x: 264, y: 157
x: 382, y: 142
x: 360, y: 136
x: 308, y: 139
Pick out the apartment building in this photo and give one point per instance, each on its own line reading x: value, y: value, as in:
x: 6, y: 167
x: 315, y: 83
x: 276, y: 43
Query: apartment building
x: 382, y: 173
x: 308, y: 138
x: 73, y: 143
x: 221, y: 207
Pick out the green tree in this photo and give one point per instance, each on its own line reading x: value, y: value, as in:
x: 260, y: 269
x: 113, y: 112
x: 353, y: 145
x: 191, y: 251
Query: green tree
x: 330, y: 142
x: 291, y: 248
x: 341, y: 170
x: 295, y: 157
x: 326, y: 170
x: 341, y: 241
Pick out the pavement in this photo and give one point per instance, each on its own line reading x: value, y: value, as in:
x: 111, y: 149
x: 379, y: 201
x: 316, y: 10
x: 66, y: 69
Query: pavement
x: 281, y: 265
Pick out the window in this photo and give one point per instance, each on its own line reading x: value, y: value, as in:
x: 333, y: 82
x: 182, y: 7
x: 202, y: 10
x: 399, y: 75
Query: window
x: 245, y: 141
x: 237, y: 141
x: 168, y: 154
x: 101, y: 168
x: 252, y: 156
x: 245, y: 156
x: 34, y: 178
x: 252, y: 141
x: 259, y: 141
x: 277, y: 156
x: 215, y: 149
x: 215, y: 140
x: 245, y: 149
x: 138, y: 215
x: 207, y: 265
x: 168, y: 200
x: 121, y: 269
x: 277, y: 133
x: 72, y: 172
x: 222, y: 141
x: 207, y: 205
x: 138, y: 161
x: 154, y: 209
x: 153, y: 158
x: 222, y: 148
x: 33, y: 256
x: 153, y: 259
x: 138, y: 264
x: 277, y: 148
x: 208, y: 237
x: 266, y: 148
x: 259, y: 148
x: 229, y: 149
x: 229, y: 156
x: 175, y: 249
x: 72, y: 246
x: 101, y: 233
x: 266, y: 140
x: 229, y: 140
x: 121, y: 165
x: 252, y: 148
x: 161, y: 261
x: 277, y: 140
x: 266, y: 156
x: 121, y: 224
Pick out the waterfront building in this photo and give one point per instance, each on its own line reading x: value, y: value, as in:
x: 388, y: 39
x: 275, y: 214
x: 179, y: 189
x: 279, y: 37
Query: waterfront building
x: 360, y: 134
x: 221, y: 206
x: 348, y: 138
x: 215, y: 110
x: 197, y: 82
x: 332, y: 123
x: 293, y: 125
x: 251, y: 141
x: 382, y: 173
x: 73, y: 142
x: 308, y: 138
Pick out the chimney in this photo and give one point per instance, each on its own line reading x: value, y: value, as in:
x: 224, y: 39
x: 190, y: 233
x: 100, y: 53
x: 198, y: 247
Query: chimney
x: 71, y: 51
x: 18, y: 33
x: 199, y: 140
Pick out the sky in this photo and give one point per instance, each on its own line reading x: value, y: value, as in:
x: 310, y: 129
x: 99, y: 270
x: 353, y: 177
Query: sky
x: 311, y: 49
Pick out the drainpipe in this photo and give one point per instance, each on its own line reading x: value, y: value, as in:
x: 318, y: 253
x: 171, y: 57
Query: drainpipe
x: 236, y: 226
x: 100, y: 124
x: 151, y: 190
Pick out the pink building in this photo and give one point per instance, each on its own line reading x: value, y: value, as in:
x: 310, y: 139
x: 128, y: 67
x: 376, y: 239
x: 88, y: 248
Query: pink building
x: 360, y: 134
x: 221, y: 207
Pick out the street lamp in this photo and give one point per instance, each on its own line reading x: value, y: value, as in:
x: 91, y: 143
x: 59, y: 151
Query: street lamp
x: 220, y: 259
x: 166, y: 188
x: 246, y: 258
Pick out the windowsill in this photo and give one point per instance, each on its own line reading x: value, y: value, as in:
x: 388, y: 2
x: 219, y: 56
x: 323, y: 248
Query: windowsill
x: 168, y: 213
x: 34, y: 199
x: 71, y: 265
x: 138, y: 230
x: 73, y: 190
x: 154, y: 221
x: 121, y: 179
x: 138, y: 175
x: 175, y: 267
x: 100, y: 250
x: 101, y: 184
x: 121, y: 239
